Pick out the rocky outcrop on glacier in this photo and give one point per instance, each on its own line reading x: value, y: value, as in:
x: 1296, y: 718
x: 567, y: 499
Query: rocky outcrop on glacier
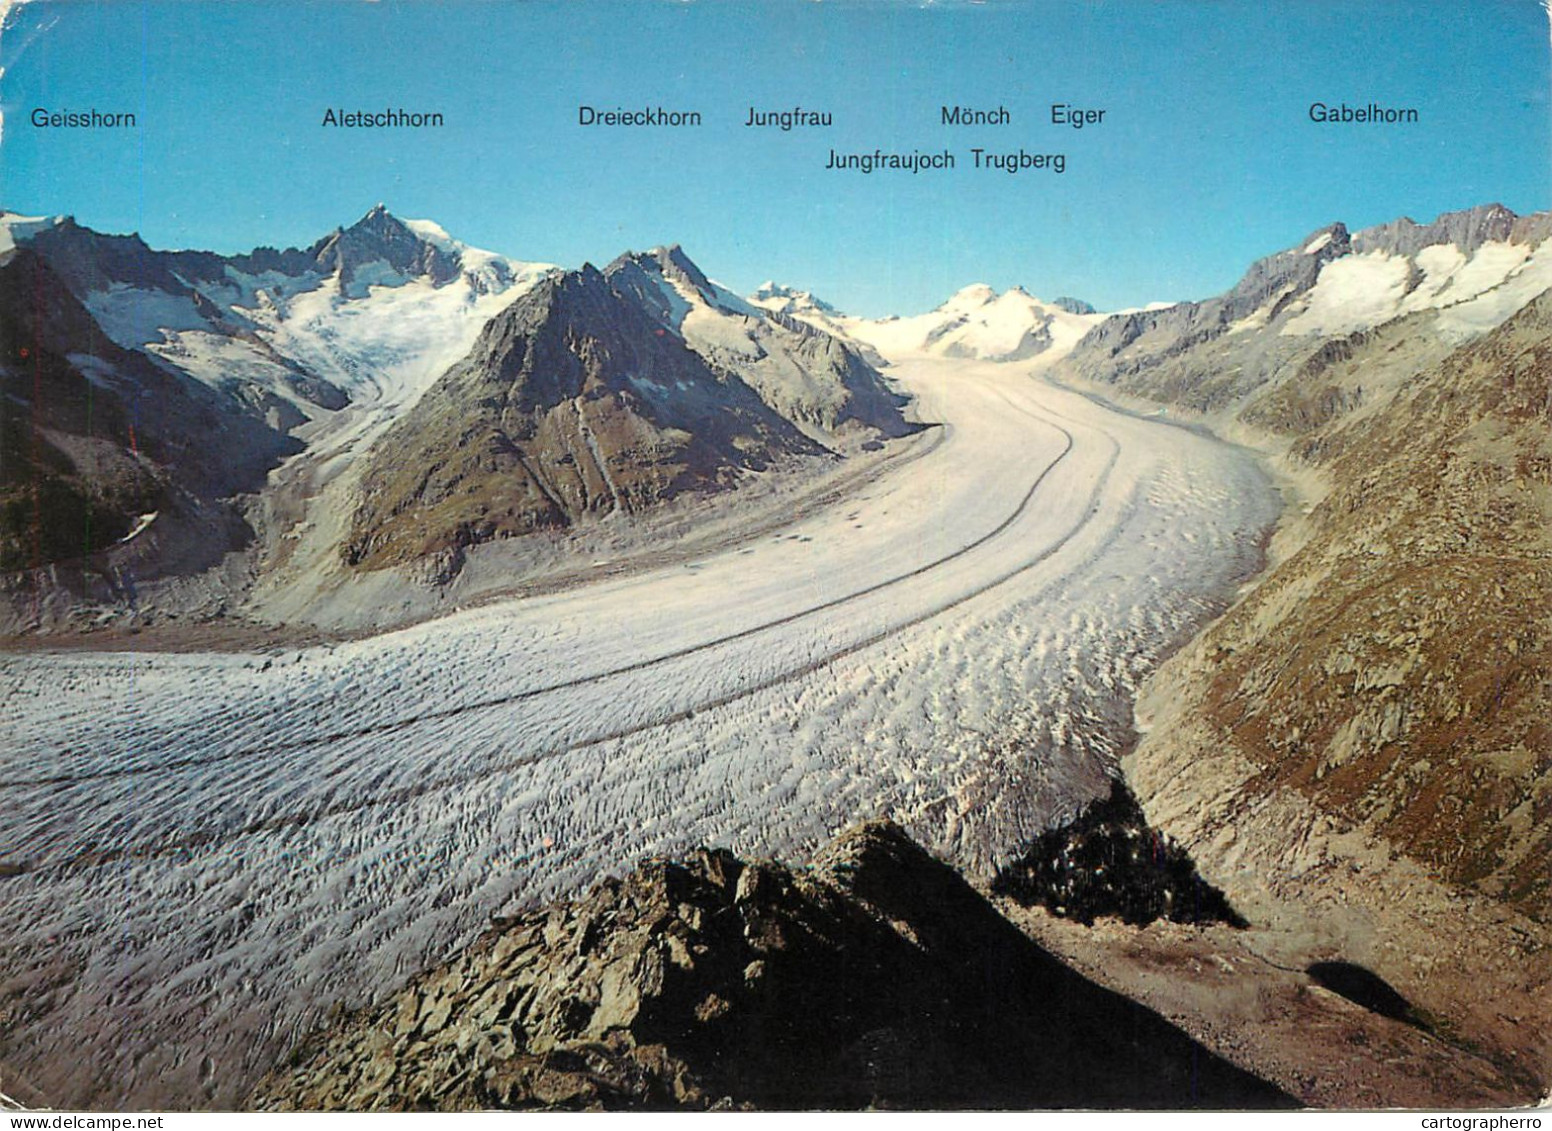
x: 1108, y: 861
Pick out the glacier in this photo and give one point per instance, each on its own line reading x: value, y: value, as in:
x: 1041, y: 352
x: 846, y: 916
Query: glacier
x: 207, y: 853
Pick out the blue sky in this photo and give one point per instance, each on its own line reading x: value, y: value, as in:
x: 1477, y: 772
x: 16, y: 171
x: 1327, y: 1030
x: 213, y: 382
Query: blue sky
x: 1206, y: 159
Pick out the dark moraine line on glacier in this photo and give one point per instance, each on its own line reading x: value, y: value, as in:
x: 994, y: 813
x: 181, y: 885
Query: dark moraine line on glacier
x: 396, y: 725
x: 96, y: 857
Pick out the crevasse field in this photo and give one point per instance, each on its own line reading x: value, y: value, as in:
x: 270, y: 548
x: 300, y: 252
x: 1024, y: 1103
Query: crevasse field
x: 220, y: 849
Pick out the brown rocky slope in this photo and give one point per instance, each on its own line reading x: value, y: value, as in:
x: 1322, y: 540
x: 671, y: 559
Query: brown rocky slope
x: 1359, y: 751
x: 1398, y: 671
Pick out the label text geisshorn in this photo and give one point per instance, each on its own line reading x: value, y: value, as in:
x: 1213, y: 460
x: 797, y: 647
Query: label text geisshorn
x: 381, y: 119
x: 93, y: 119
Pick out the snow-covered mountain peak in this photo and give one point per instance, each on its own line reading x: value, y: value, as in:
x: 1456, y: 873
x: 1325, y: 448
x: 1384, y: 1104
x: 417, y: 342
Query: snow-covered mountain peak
x: 1474, y: 267
x: 380, y: 249
x: 1455, y: 278
x: 378, y: 218
x: 486, y: 271
x: 436, y: 235
x: 370, y: 313
x: 669, y: 281
x: 976, y: 321
x: 966, y: 298
x: 979, y: 322
x: 795, y: 303
x: 16, y: 229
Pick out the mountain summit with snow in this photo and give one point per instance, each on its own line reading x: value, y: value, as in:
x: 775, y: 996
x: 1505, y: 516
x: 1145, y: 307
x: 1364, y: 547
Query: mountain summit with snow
x: 604, y: 393
x: 367, y: 313
x: 803, y: 370
x: 403, y: 396
x: 1300, y: 312
x: 975, y: 323
x: 380, y: 245
x: 792, y: 302
x: 385, y: 250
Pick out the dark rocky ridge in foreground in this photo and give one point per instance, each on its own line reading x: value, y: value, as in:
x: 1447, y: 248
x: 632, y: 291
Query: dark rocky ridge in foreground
x: 875, y: 977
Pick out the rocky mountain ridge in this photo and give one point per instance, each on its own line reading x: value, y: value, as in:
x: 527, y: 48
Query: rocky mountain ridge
x: 806, y: 373
x: 584, y: 398
x: 875, y: 977
x: 103, y: 447
x: 1296, y: 312
x: 1358, y: 749
x: 689, y: 390
x: 299, y: 332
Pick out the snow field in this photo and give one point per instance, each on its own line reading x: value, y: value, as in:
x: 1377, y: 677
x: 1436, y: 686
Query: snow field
x: 1472, y: 295
x: 975, y: 322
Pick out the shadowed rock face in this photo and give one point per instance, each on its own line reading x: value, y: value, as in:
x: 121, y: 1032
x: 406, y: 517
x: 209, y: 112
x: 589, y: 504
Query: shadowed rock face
x: 875, y: 977
x: 93, y: 436
x: 1467, y: 230
x: 1365, y: 988
x: 572, y: 402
